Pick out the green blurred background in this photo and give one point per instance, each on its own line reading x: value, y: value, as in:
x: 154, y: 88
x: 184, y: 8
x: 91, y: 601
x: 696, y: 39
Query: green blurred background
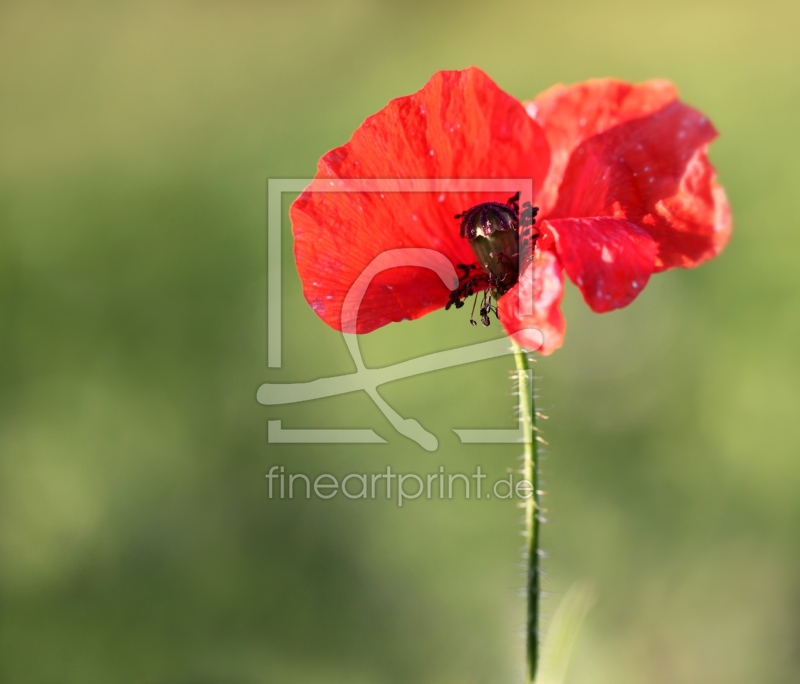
x: 137, y: 540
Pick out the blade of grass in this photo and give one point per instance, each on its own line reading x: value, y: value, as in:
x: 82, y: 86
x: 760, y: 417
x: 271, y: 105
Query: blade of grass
x: 563, y: 633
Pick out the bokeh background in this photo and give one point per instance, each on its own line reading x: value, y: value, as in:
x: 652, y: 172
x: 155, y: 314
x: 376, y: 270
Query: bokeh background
x: 137, y: 540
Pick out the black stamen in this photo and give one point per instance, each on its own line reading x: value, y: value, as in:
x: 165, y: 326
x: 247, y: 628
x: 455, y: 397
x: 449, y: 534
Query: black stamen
x: 494, y: 231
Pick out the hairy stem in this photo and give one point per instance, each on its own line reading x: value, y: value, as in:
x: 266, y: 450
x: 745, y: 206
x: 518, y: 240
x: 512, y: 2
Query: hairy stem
x: 530, y: 473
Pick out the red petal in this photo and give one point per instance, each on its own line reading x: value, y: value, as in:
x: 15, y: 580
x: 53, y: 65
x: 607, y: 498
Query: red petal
x: 652, y: 172
x: 609, y: 259
x: 543, y: 280
x: 572, y: 114
x: 460, y: 125
x: 696, y: 221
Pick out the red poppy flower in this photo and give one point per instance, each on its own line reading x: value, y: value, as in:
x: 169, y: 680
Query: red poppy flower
x: 620, y: 176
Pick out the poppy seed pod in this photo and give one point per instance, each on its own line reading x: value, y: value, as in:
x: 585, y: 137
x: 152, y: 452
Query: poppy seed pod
x: 493, y: 233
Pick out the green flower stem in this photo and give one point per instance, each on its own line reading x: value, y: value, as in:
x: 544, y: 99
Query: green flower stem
x: 530, y: 473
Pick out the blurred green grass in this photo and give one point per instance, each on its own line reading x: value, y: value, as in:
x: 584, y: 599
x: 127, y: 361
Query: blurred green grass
x: 137, y: 542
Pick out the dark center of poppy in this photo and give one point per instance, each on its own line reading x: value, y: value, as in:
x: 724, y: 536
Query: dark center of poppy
x: 493, y: 233
x: 492, y: 230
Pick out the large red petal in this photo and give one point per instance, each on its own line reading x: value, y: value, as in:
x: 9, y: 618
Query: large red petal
x: 460, y: 125
x: 542, y: 281
x: 652, y: 172
x: 695, y: 223
x: 609, y: 259
x: 572, y: 114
